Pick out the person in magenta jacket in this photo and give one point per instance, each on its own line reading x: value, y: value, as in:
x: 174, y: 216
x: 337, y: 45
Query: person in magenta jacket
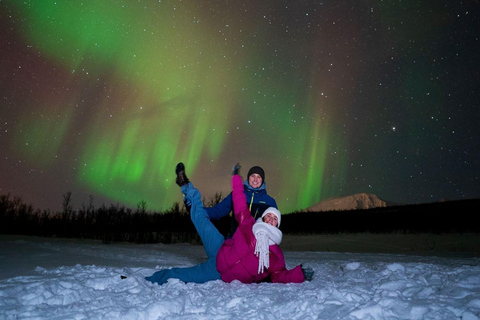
x: 252, y: 255
x: 257, y: 199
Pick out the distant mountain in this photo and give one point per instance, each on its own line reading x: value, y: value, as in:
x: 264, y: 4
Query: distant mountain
x: 356, y: 201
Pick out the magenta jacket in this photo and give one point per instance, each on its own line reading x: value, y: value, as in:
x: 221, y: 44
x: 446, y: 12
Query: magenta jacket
x: 236, y: 259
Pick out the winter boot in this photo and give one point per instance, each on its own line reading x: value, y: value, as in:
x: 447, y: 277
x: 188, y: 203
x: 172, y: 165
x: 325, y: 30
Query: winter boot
x: 181, y: 176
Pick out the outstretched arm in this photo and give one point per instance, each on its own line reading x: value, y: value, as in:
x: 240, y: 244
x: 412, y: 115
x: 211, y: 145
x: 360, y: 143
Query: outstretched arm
x: 279, y: 273
x: 238, y: 195
x: 294, y: 275
x: 240, y: 208
x: 221, y: 209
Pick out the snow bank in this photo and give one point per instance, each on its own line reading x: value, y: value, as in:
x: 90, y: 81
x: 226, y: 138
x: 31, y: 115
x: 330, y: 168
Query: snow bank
x: 53, y: 281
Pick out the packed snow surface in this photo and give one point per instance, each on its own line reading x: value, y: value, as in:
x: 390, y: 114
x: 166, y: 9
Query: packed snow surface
x: 72, y: 279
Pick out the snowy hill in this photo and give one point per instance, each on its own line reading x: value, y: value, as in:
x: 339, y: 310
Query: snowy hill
x: 353, y: 202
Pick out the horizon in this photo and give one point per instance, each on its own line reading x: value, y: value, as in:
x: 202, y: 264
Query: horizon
x: 144, y: 206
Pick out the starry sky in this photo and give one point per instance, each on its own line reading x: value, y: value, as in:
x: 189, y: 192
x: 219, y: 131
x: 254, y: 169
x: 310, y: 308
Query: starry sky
x: 103, y: 98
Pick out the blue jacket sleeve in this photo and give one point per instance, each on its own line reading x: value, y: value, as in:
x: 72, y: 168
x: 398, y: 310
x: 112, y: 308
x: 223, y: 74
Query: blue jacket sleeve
x: 221, y: 209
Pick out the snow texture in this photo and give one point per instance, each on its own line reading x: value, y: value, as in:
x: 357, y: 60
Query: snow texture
x: 71, y: 279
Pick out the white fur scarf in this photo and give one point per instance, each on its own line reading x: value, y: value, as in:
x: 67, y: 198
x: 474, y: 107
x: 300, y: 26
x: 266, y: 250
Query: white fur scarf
x: 266, y: 235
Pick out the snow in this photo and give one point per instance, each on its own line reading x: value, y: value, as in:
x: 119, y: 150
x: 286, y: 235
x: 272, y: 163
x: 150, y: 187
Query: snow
x: 42, y: 278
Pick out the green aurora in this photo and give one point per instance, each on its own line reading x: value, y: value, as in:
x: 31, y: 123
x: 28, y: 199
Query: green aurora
x: 178, y: 96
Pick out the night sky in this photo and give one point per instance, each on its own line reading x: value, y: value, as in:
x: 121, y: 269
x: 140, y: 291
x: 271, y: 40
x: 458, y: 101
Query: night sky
x: 331, y: 98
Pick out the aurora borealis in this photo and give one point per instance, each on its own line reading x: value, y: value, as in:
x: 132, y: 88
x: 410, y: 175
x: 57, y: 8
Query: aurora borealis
x: 331, y: 98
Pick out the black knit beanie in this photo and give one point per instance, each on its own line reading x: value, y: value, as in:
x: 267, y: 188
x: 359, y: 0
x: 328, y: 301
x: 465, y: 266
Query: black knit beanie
x: 258, y: 170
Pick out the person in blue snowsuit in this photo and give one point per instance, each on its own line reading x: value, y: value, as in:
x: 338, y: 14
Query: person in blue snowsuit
x: 257, y: 199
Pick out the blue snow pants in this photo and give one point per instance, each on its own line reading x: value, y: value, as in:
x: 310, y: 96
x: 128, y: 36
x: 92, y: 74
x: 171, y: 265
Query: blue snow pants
x: 212, y: 240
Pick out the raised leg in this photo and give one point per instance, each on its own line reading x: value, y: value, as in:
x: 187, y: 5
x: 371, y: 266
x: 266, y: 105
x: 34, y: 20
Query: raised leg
x: 212, y: 239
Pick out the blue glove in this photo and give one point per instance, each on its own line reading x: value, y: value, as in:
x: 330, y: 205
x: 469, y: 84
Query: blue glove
x: 307, y: 273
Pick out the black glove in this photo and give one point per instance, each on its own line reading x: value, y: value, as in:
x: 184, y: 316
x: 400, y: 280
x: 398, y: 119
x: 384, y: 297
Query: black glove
x: 236, y: 169
x: 307, y: 273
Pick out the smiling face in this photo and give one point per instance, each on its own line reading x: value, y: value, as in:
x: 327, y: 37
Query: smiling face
x: 255, y: 180
x: 271, y: 219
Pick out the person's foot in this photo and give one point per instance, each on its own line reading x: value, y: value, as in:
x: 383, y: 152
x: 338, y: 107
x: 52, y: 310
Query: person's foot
x: 181, y: 176
x: 236, y: 169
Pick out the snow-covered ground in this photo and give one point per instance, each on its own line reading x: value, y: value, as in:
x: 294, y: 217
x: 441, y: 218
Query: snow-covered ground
x: 71, y: 279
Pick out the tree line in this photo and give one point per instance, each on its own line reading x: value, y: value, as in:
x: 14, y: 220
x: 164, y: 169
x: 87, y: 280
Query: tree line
x: 112, y: 223
x: 116, y: 223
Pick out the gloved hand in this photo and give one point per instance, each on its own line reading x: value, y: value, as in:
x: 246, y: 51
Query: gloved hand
x: 307, y: 273
x: 236, y: 169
